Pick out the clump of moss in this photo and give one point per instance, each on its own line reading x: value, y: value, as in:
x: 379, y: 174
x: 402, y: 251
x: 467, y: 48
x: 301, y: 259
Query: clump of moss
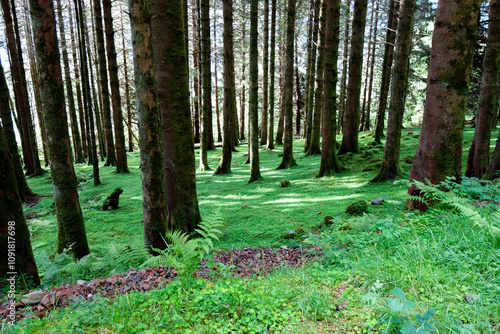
x: 416, y: 136
x: 293, y: 234
x: 408, y: 159
x: 357, y: 208
x: 285, y: 183
x: 112, y: 200
x: 373, y: 166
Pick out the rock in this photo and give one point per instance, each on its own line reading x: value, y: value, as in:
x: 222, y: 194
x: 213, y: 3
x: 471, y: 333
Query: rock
x: 409, y: 214
x: 32, y: 298
x: 471, y: 297
x: 293, y: 234
x: 378, y: 201
x: 47, y: 300
x: 81, y: 282
x: 357, y: 208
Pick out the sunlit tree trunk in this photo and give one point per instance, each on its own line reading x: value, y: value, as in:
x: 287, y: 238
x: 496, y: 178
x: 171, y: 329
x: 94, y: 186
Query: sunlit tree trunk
x: 171, y: 69
x: 71, y: 228
x: 272, y: 69
x: 439, y: 152
x: 127, y: 87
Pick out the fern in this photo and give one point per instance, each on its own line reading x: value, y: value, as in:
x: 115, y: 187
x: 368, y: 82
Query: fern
x: 183, y: 253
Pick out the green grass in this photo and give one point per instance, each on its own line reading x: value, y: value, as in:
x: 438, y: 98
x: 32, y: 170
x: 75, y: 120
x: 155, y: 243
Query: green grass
x: 434, y: 258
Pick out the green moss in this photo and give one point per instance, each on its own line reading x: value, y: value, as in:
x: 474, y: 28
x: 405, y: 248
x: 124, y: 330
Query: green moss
x: 408, y: 159
x: 285, y: 183
x: 293, y: 234
x: 357, y: 208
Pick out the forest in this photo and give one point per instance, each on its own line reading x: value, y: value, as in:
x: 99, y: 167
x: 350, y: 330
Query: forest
x: 272, y: 166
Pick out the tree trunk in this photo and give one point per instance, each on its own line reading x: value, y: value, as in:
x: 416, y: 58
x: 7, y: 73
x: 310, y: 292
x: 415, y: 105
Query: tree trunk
x: 103, y: 75
x: 120, y: 146
x: 196, y: 68
x: 439, y: 152
x: 148, y: 113
x: 281, y: 116
x: 36, y: 91
x: 171, y: 68
x: 314, y: 147
x: 127, y: 87
x: 265, y: 77
x: 367, y: 70
x: 390, y: 163
x: 216, y: 78
x: 10, y: 137
x: 78, y: 86
x: 229, y: 106
x: 392, y: 23
x: 351, y: 117
x: 329, y: 161
x: 243, y: 86
x: 312, y: 77
x: 310, y: 25
x: 288, y: 160
x: 30, y: 151
x: 77, y: 142
x: 206, y: 82
x: 479, y: 153
x: 270, y: 129
x: 343, y: 80
x: 372, y: 65
x: 15, y: 244
x: 253, y: 95
x: 71, y: 228
x: 298, y: 94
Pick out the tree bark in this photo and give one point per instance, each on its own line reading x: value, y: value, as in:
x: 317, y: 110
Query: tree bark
x: 127, y: 87
x: 479, y: 153
x: 351, y: 117
x: 196, y: 68
x: 390, y: 162
x: 272, y: 70
x: 372, y: 65
x: 298, y: 94
x: 367, y: 69
x: 77, y: 142
x: 171, y: 70
x: 265, y: 77
x: 439, y: 152
x: 120, y: 146
x: 310, y: 25
x: 15, y: 241
x: 71, y: 228
x: 343, y: 80
x: 216, y: 78
x: 206, y: 82
x: 148, y: 112
x: 10, y: 137
x: 288, y: 160
x: 253, y: 95
x: 390, y: 37
x: 314, y: 147
x: 329, y: 162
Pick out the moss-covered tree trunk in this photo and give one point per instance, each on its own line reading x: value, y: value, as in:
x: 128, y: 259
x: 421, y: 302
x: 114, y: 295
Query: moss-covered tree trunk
x: 439, y: 152
x: 329, y: 162
x: 87, y: 98
x: 103, y: 79
x: 351, y: 117
x: 390, y: 162
x: 272, y: 70
x: 30, y: 153
x: 253, y: 96
x: 206, y: 82
x: 288, y: 160
x: 385, y: 80
x: 79, y: 96
x: 343, y: 79
x: 148, y: 113
x: 17, y: 256
x: 311, y: 76
x: 77, y: 141
x: 171, y: 69
x: 314, y: 147
x: 479, y: 153
x: 10, y: 137
x: 229, y: 106
x: 265, y: 77
x: 70, y: 225
x: 114, y: 82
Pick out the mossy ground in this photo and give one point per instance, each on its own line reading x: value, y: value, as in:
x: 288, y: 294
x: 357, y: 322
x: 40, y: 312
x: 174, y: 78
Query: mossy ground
x: 318, y: 298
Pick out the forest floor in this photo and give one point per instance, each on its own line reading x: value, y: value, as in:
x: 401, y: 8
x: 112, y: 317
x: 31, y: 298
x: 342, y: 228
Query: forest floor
x: 385, y: 271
